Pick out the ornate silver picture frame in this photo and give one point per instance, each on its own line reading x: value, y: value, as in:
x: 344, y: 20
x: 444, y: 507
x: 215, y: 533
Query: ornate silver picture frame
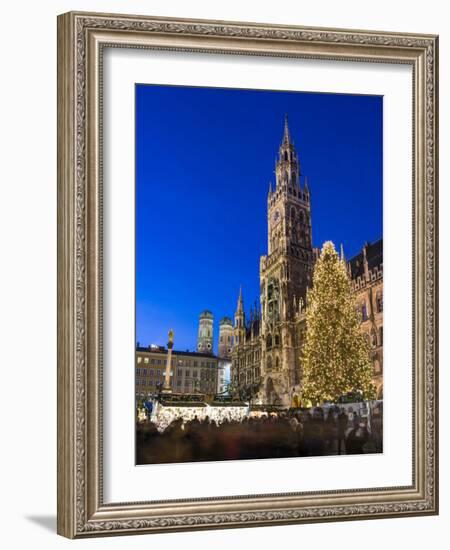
x: 82, y: 509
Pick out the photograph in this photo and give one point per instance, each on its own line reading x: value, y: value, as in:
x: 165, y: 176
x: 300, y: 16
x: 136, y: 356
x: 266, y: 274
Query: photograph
x: 258, y: 274
x: 247, y: 261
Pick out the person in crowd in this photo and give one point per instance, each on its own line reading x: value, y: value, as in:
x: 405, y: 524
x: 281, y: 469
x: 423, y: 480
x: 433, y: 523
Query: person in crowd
x: 342, y: 424
x: 356, y: 438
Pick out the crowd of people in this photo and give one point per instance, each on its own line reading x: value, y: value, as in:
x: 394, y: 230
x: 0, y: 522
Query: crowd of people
x: 273, y: 435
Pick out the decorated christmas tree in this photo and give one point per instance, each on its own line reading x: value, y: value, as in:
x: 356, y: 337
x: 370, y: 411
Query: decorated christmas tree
x: 336, y: 356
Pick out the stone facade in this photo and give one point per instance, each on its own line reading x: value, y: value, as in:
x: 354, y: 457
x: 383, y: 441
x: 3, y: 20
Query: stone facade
x: 267, y: 349
x: 366, y: 272
x: 192, y: 372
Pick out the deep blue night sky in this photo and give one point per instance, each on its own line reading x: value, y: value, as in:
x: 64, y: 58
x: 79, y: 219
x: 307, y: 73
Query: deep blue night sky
x: 204, y: 159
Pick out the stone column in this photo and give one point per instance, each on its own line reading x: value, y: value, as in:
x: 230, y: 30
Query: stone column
x: 167, y: 388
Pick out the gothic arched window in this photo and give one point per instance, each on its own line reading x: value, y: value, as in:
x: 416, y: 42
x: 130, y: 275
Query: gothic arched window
x: 285, y: 155
x: 269, y: 363
x: 373, y: 337
x: 277, y: 363
x: 379, y: 301
x: 364, y: 311
x: 269, y: 341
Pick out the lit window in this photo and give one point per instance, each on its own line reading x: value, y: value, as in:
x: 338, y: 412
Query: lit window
x: 364, y: 312
x: 146, y: 360
x: 139, y: 359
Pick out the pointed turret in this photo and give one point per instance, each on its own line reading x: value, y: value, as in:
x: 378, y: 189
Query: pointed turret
x: 287, y: 167
x: 256, y: 310
x: 306, y: 186
x: 240, y: 303
x: 365, y: 262
x: 239, y: 320
x: 286, y: 134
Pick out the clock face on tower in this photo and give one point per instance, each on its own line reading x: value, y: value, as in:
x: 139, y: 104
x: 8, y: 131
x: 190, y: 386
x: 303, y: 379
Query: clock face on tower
x: 276, y: 216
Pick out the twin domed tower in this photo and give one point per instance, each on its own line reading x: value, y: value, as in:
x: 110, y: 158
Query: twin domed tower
x: 205, y: 339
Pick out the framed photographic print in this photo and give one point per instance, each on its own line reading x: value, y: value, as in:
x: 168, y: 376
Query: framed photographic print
x: 247, y: 284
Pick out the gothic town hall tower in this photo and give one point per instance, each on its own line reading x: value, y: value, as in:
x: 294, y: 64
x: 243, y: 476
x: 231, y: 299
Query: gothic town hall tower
x: 285, y: 274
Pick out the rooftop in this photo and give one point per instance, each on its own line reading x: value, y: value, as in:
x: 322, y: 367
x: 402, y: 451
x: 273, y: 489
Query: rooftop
x: 226, y: 321
x: 374, y: 255
x: 206, y: 314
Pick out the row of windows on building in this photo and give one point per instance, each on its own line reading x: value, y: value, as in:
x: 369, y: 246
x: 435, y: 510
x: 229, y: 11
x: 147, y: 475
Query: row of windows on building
x: 249, y: 376
x: 253, y: 375
x: 157, y: 373
x: 151, y: 372
x: 176, y: 362
x: 188, y: 385
x: 248, y: 359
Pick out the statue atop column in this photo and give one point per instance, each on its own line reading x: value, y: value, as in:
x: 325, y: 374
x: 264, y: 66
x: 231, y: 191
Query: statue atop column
x: 167, y: 388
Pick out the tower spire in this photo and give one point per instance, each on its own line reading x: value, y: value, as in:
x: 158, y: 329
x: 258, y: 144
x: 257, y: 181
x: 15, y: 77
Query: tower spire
x: 239, y: 320
x: 240, y: 304
x: 286, y: 134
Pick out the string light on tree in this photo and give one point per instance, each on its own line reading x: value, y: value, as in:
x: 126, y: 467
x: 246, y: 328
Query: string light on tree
x: 336, y: 357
